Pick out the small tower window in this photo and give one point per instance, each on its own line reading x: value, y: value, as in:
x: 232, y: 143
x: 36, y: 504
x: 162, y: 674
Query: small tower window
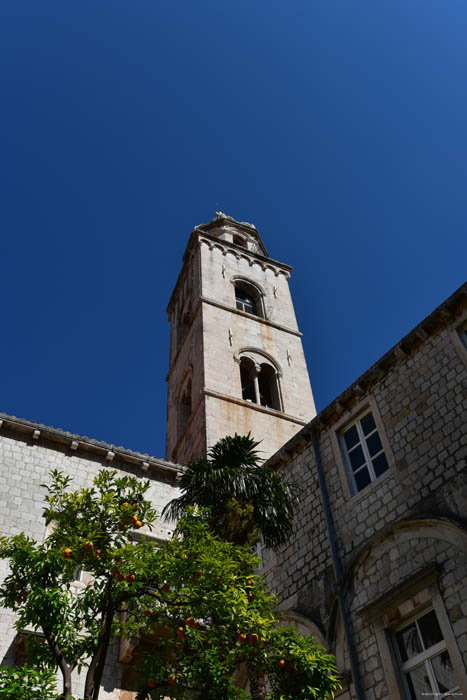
x: 268, y: 387
x: 183, y: 325
x: 248, y: 299
x: 260, y: 383
x: 247, y: 377
x: 184, y: 411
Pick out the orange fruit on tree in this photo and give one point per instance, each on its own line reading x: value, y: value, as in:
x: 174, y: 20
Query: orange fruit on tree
x: 282, y: 663
x: 181, y: 631
x: 249, y: 583
x: 242, y: 638
x: 98, y: 551
x: 130, y: 578
x: 17, y: 586
x: 88, y: 546
x: 173, y: 680
x: 152, y: 683
x: 138, y: 524
x: 120, y: 577
x: 250, y: 596
x: 67, y: 553
x: 125, y: 505
x: 253, y: 638
x: 122, y: 527
x: 190, y: 621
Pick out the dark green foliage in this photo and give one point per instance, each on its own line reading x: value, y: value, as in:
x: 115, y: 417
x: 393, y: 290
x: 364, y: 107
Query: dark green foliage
x: 193, y: 600
x: 27, y: 683
x: 233, y: 474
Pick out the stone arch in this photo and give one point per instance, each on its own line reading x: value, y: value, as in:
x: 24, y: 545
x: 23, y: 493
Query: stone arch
x: 249, y: 296
x: 438, y: 528
x: 259, y: 378
x: 184, y: 402
x: 307, y: 627
x: 258, y: 355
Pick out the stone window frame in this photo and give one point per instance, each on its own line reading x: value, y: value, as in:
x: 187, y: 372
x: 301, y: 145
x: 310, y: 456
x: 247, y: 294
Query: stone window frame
x: 415, y: 596
x: 258, y: 357
x: 459, y: 339
x: 257, y: 293
x: 368, y: 403
x: 424, y: 658
x: 185, y: 389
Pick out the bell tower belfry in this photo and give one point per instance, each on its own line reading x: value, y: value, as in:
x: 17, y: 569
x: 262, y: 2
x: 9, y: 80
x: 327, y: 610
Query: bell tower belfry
x: 236, y: 356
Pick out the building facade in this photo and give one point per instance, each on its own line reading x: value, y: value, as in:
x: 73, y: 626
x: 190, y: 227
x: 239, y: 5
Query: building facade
x: 377, y: 567
x: 378, y: 562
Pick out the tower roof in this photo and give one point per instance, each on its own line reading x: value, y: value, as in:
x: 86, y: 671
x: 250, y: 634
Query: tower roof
x: 222, y: 223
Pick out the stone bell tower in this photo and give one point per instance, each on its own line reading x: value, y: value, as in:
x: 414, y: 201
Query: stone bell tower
x: 236, y: 356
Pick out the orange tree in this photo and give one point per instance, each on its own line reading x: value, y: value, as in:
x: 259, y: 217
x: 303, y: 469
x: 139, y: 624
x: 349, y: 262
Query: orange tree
x: 193, y: 598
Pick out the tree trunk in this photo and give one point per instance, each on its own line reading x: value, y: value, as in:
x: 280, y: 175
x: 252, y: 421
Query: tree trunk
x: 257, y: 685
x: 64, y: 667
x: 96, y: 667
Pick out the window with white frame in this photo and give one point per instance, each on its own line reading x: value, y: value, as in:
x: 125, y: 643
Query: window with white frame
x: 363, y: 451
x: 248, y: 298
x: 424, y: 660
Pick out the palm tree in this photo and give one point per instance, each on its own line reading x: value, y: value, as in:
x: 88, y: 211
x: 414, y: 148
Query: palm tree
x: 245, y: 498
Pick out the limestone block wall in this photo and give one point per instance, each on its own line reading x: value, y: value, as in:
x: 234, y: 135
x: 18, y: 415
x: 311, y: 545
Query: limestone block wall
x: 412, y: 515
x: 217, y: 284
x: 24, y: 465
x: 221, y: 367
x: 188, y: 365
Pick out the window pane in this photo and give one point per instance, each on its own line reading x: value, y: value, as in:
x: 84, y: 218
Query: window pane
x: 380, y: 464
x: 408, y: 642
x: 351, y: 437
x: 362, y: 479
x: 429, y: 629
x: 357, y: 458
x: 368, y: 423
x: 374, y: 444
x: 419, y: 683
x: 444, y: 672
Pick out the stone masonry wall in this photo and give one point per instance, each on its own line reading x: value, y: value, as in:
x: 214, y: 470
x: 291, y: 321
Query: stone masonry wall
x: 421, y: 406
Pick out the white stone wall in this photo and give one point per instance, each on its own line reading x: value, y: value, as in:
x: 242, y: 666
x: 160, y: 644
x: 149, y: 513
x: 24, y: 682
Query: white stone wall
x: 25, y: 465
x: 211, y: 348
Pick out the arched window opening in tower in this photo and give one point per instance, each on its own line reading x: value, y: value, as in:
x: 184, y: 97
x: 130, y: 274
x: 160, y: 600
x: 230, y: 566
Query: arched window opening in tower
x: 247, y: 378
x: 183, y: 325
x: 268, y: 387
x: 184, y: 409
x: 248, y: 299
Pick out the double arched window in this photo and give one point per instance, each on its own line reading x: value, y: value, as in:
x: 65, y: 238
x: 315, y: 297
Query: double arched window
x: 260, y: 381
x: 248, y: 298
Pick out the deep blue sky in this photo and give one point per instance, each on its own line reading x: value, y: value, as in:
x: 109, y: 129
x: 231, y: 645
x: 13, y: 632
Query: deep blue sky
x: 338, y: 128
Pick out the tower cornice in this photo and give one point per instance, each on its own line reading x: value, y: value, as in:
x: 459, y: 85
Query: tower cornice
x: 199, y: 235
